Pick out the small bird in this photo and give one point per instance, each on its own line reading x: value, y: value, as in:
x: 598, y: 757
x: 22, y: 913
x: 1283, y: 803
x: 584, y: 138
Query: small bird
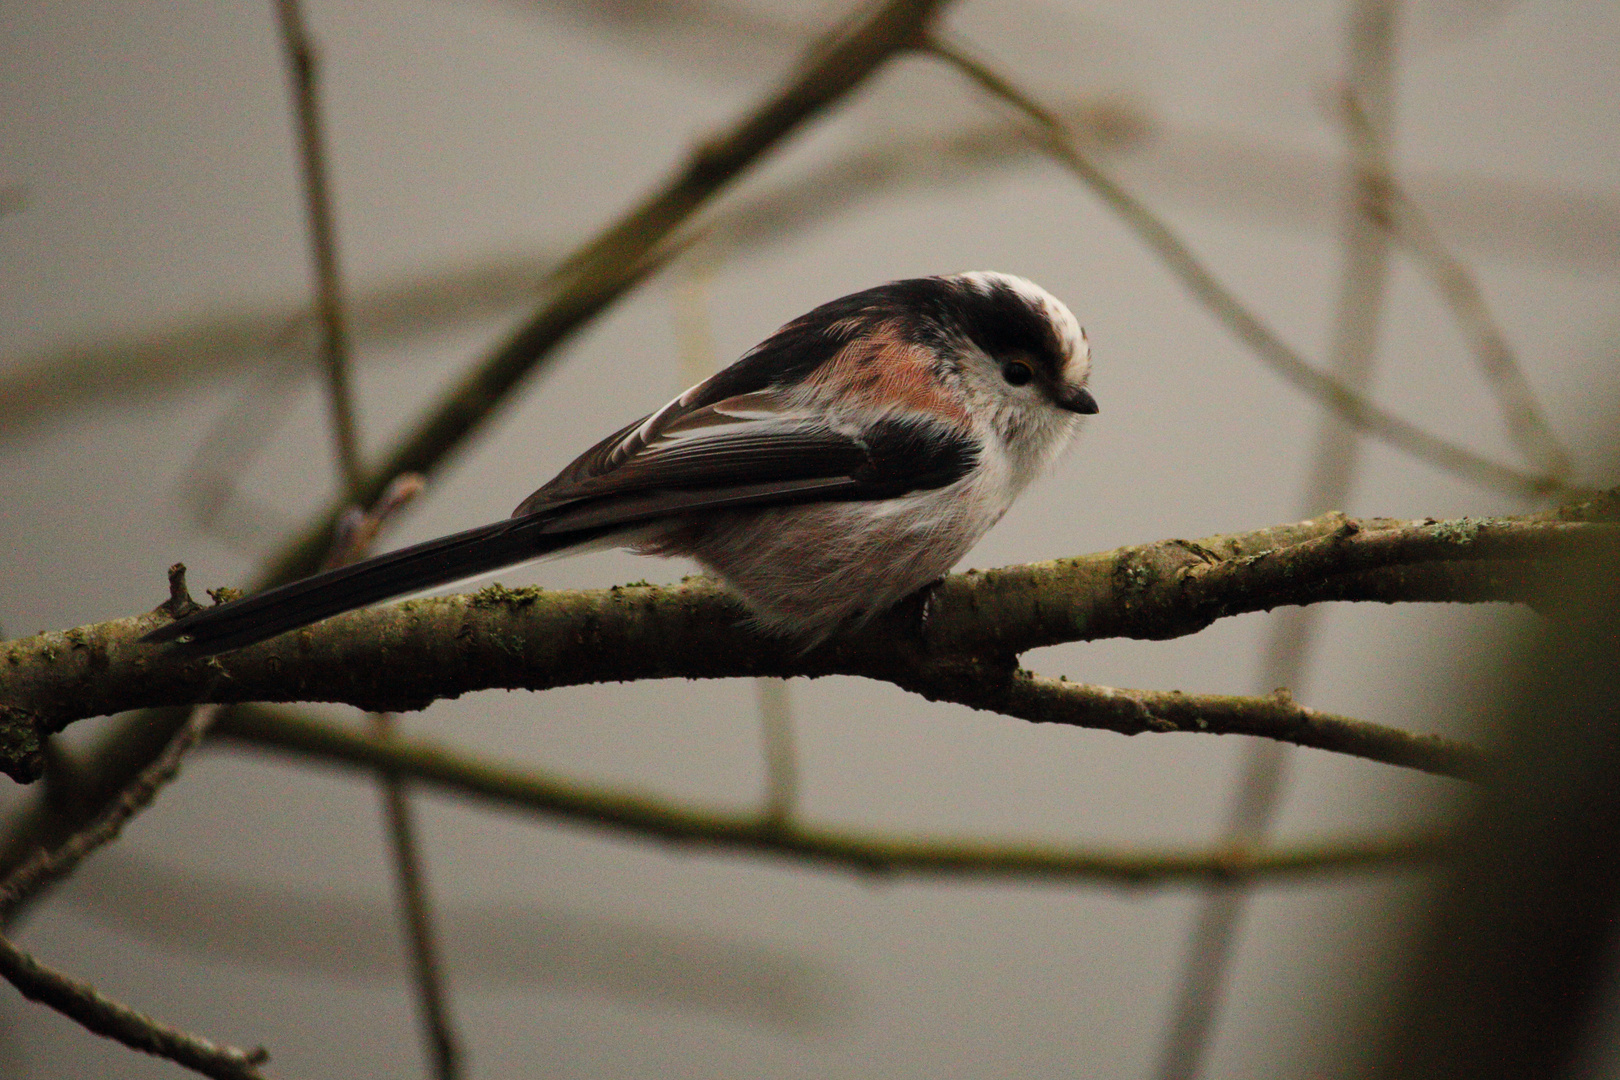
x: 845, y: 462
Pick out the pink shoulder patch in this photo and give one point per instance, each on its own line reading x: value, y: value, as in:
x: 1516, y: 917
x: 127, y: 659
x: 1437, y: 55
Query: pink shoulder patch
x: 881, y: 371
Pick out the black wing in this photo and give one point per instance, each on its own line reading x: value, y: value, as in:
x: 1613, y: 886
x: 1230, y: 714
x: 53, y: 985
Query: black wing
x: 687, y: 457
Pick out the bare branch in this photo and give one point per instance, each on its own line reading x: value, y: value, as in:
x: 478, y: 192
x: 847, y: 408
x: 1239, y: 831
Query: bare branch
x: 1249, y: 328
x: 115, y: 1020
x: 50, y: 866
x: 1291, y: 634
x: 427, y: 968
x: 79, y: 1001
x: 1526, y: 422
x: 1276, y: 716
x: 755, y: 833
x: 356, y: 532
x: 302, y: 64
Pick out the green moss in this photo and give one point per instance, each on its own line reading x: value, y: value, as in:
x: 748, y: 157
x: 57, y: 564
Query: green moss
x: 498, y: 595
x: 1458, y: 531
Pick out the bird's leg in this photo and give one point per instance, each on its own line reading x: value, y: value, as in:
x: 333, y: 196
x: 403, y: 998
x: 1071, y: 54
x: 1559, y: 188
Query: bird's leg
x: 925, y: 606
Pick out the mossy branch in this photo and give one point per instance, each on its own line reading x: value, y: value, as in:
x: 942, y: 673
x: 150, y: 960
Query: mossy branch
x: 405, y: 656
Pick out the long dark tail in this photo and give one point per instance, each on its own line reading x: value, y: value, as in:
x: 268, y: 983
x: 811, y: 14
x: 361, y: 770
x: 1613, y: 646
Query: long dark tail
x: 422, y: 566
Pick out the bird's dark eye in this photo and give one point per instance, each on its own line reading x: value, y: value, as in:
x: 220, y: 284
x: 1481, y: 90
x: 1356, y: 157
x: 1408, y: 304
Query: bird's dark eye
x: 1016, y: 372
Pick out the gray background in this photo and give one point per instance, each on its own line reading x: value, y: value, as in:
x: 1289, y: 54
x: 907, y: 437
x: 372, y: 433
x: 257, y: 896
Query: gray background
x: 153, y: 148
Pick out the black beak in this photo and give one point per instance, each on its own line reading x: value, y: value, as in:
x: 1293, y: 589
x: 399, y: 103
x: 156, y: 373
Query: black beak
x: 1077, y: 399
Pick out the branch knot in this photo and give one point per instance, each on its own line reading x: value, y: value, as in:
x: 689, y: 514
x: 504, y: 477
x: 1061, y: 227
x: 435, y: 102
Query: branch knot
x: 179, y: 604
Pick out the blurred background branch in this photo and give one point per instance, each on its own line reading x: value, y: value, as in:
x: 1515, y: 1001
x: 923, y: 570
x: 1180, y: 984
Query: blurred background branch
x: 1323, y: 388
x: 353, y: 540
x: 765, y: 833
x: 1352, y: 359
x: 78, y: 1000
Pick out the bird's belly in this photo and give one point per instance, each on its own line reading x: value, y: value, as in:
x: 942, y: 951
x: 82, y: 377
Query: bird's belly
x: 805, y: 570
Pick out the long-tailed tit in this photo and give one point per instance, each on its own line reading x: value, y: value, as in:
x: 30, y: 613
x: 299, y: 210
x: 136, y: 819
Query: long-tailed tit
x: 842, y: 464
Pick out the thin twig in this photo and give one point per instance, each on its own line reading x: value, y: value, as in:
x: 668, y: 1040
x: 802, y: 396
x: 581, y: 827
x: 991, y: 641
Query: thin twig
x: 50, y: 866
x: 1243, y: 322
x: 79, y: 1001
x: 352, y: 541
x: 95, y: 1011
x: 751, y: 832
x: 358, y: 529
x: 1527, y: 423
x: 427, y: 966
x: 302, y: 64
x: 1263, y: 774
